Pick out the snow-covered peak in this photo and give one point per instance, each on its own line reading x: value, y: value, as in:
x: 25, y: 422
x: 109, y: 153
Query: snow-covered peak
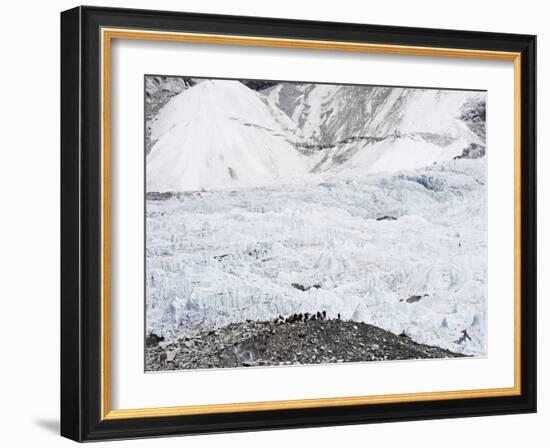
x: 219, y: 134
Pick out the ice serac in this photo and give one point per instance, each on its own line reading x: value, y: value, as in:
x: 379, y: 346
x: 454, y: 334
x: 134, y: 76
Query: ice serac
x: 220, y: 134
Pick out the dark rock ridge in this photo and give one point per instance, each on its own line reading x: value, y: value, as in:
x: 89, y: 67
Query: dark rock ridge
x: 258, y: 84
x: 287, y: 341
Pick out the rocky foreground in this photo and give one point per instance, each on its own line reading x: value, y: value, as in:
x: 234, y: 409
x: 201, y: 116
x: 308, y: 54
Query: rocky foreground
x: 273, y: 343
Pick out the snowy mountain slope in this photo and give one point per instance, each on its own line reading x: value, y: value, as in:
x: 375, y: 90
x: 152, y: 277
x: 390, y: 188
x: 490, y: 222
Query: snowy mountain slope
x: 388, y: 154
x: 221, y: 134
x: 329, y: 114
x: 377, y: 129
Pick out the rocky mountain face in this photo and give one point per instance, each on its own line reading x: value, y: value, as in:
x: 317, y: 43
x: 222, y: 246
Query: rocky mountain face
x: 473, y: 113
x: 159, y: 89
x: 329, y: 114
x: 336, y: 122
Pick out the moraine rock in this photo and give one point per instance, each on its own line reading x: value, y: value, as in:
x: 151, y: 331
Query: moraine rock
x: 271, y: 343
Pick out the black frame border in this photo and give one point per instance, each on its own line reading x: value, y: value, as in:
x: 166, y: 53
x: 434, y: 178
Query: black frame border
x: 81, y: 223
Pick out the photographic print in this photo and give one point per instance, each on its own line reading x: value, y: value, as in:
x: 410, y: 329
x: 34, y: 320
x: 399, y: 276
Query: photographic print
x: 291, y: 223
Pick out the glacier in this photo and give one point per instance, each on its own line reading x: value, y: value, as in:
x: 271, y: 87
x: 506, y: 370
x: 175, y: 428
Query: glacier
x: 224, y: 256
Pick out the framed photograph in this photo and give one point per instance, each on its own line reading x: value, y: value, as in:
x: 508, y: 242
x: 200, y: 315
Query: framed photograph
x: 273, y: 223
